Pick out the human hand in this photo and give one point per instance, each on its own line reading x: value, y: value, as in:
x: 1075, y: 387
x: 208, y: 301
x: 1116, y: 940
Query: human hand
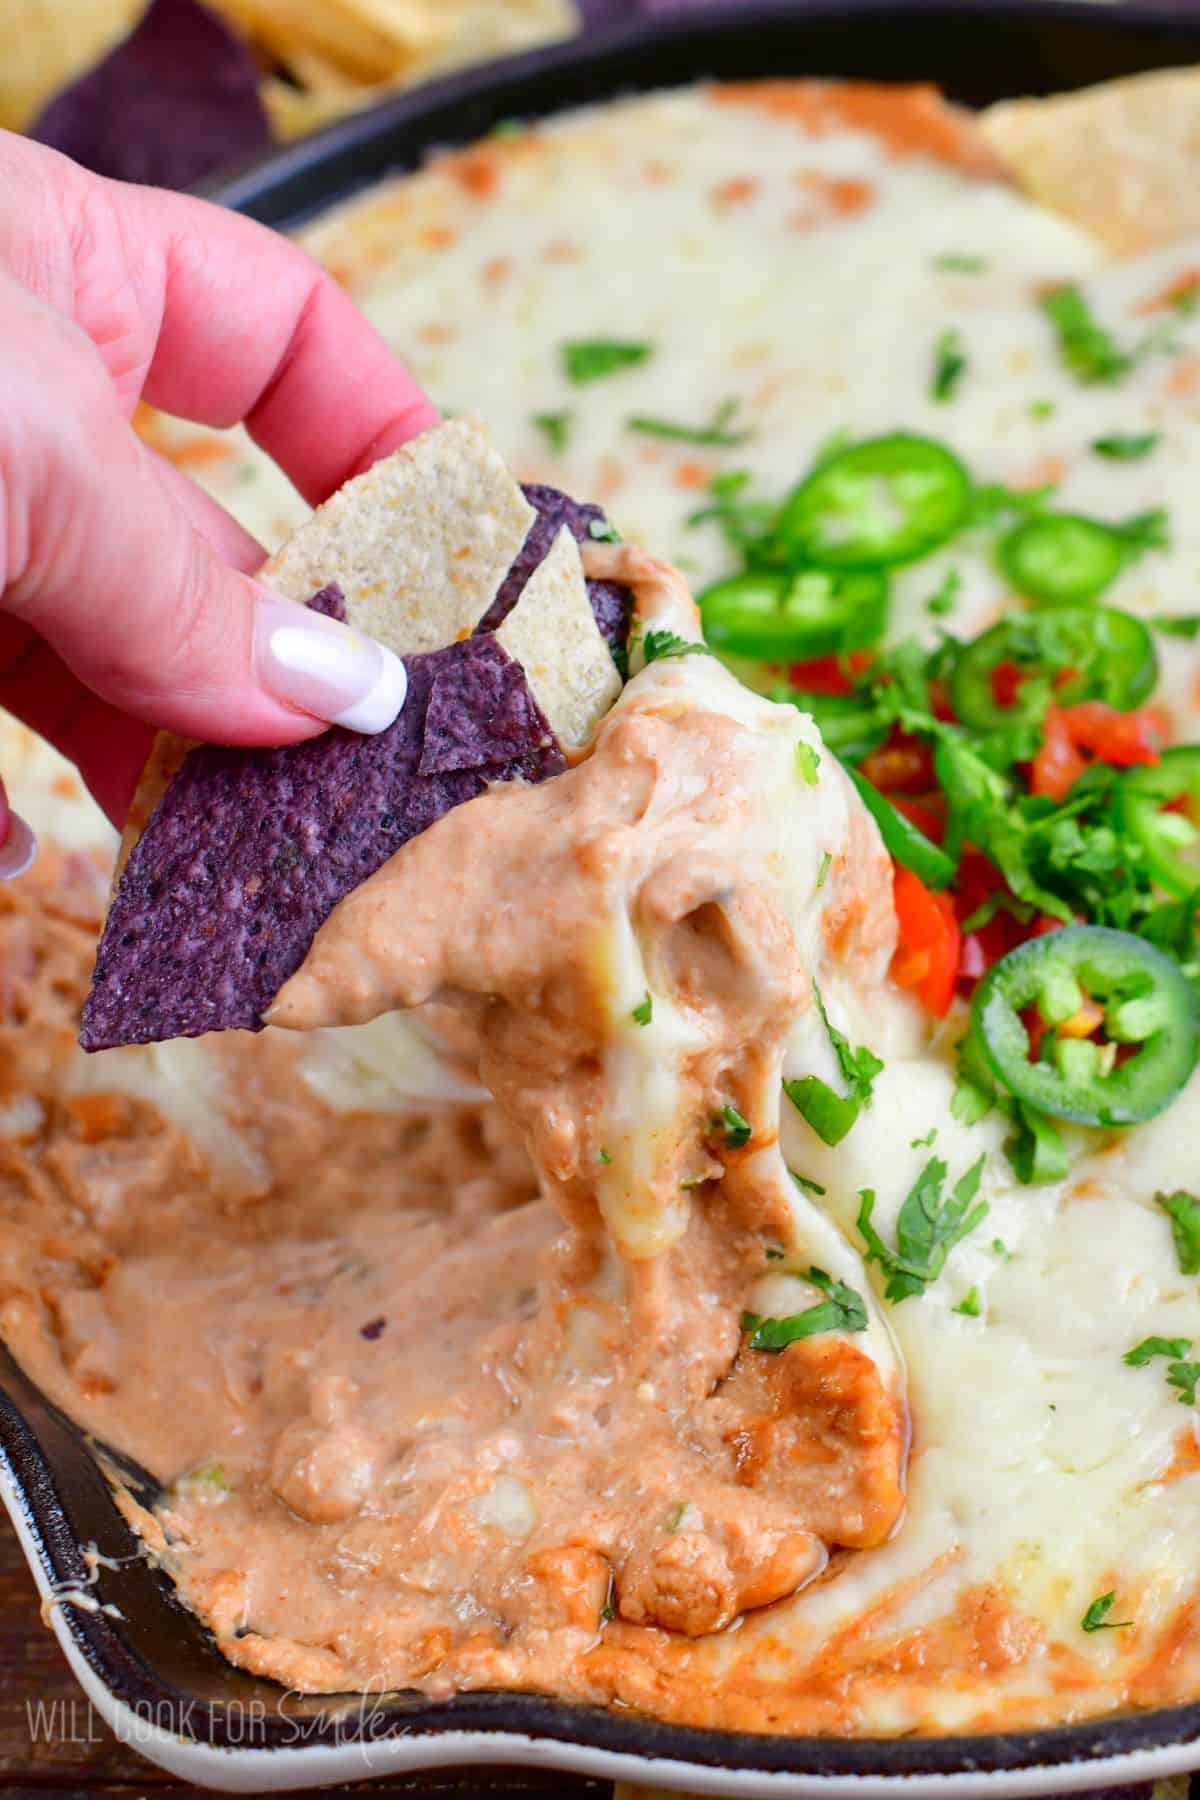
x: 126, y: 597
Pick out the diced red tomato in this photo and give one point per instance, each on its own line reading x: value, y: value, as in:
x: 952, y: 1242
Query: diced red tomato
x: 1007, y: 678
x: 927, y: 953
x: 1035, y: 1027
x: 904, y: 765
x: 1091, y: 731
x: 978, y: 880
x: 829, y: 674
x: 1058, y: 764
x: 939, y: 701
x: 1122, y: 738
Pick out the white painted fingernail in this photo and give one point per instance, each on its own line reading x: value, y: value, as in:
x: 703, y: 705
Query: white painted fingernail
x: 18, y: 849
x: 326, y: 668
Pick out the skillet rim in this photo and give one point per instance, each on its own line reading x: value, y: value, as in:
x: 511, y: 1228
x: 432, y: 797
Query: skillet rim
x: 284, y: 188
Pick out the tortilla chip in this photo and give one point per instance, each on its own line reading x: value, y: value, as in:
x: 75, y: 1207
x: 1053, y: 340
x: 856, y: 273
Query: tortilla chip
x: 400, y: 541
x: 232, y: 858
x: 48, y: 43
x: 1121, y: 160
x: 165, y: 760
x: 611, y: 603
x: 389, y: 42
x: 418, y: 565
x: 418, y: 545
x: 172, y: 103
x: 368, y: 39
x: 250, y: 850
x: 552, y: 633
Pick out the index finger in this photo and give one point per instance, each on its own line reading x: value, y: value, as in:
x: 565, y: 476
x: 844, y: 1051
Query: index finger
x: 253, y: 330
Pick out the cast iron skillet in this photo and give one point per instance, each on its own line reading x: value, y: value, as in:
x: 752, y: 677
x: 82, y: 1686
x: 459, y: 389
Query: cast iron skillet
x: 156, y: 1658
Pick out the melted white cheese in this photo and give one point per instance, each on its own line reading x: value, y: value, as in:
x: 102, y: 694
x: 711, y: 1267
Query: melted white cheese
x: 1037, y: 1453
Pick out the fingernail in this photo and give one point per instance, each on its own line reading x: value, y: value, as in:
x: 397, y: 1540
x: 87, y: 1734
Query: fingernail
x: 18, y: 849
x: 326, y: 668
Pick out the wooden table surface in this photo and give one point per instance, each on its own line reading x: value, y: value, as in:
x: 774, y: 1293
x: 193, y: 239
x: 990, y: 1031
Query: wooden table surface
x: 53, y: 1743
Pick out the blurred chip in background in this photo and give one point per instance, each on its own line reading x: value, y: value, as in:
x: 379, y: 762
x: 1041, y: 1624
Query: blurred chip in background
x: 314, y: 59
x: 341, y: 54
x: 47, y: 43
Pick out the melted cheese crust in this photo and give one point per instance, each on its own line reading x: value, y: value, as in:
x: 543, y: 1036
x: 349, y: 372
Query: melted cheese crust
x: 794, y: 266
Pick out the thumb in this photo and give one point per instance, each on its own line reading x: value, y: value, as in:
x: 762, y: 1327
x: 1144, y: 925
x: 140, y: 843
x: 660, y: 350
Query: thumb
x: 106, y: 565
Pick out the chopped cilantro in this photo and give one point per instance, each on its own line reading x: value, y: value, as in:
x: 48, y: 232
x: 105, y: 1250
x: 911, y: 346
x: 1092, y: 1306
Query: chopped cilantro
x: 969, y: 1102
x: 721, y: 432
x: 993, y: 502
x: 1184, y: 1376
x: 1183, y: 1210
x: 944, y: 599
x: 555, y: 428
x: 970, y: 1306
x: 805, y: 1185
x: 926, y: 1142
x: 736, y: 1129
x: 592, y: 359
x: 808, y: 761
x: 1183, y: 625
x: 608, y: 1610
x: 675, y: 1516
x: 604, y: 1157
x: 956, y: 263
x: 1001, y: 1249
x: 1096, y: 1617
x: 1150, y: 1347
x: 1127, y: 447
x: 1090, y: 351
x: 841, y: 1310
x: 1085, y: 347
x: 1042, y: 409
x: 745, y: 523
x: 775, y: 1253
x: 1036, y: 1150
x: 949, y: 366
x: 643, y: 1012
x: 981, y: 810
x: 829, y: 1113
x: 928, y: 1227
x: 603, y: 531
x: 1145, y: 531
x: 659, y: 644
x: 989, y: 909
x: 206, y: 1478
x: 823, y: 871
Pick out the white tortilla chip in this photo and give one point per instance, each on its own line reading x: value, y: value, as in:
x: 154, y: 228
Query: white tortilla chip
x: 1122, y: 160
x: 418, y: 545
x: 552, y: 633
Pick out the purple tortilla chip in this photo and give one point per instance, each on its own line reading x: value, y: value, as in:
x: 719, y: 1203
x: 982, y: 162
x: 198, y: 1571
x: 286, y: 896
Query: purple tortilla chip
x: 611, y: 604
x: 250, y: 850
x: 481, y: 693
x: 330, y: 602
x: 175, y: 101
